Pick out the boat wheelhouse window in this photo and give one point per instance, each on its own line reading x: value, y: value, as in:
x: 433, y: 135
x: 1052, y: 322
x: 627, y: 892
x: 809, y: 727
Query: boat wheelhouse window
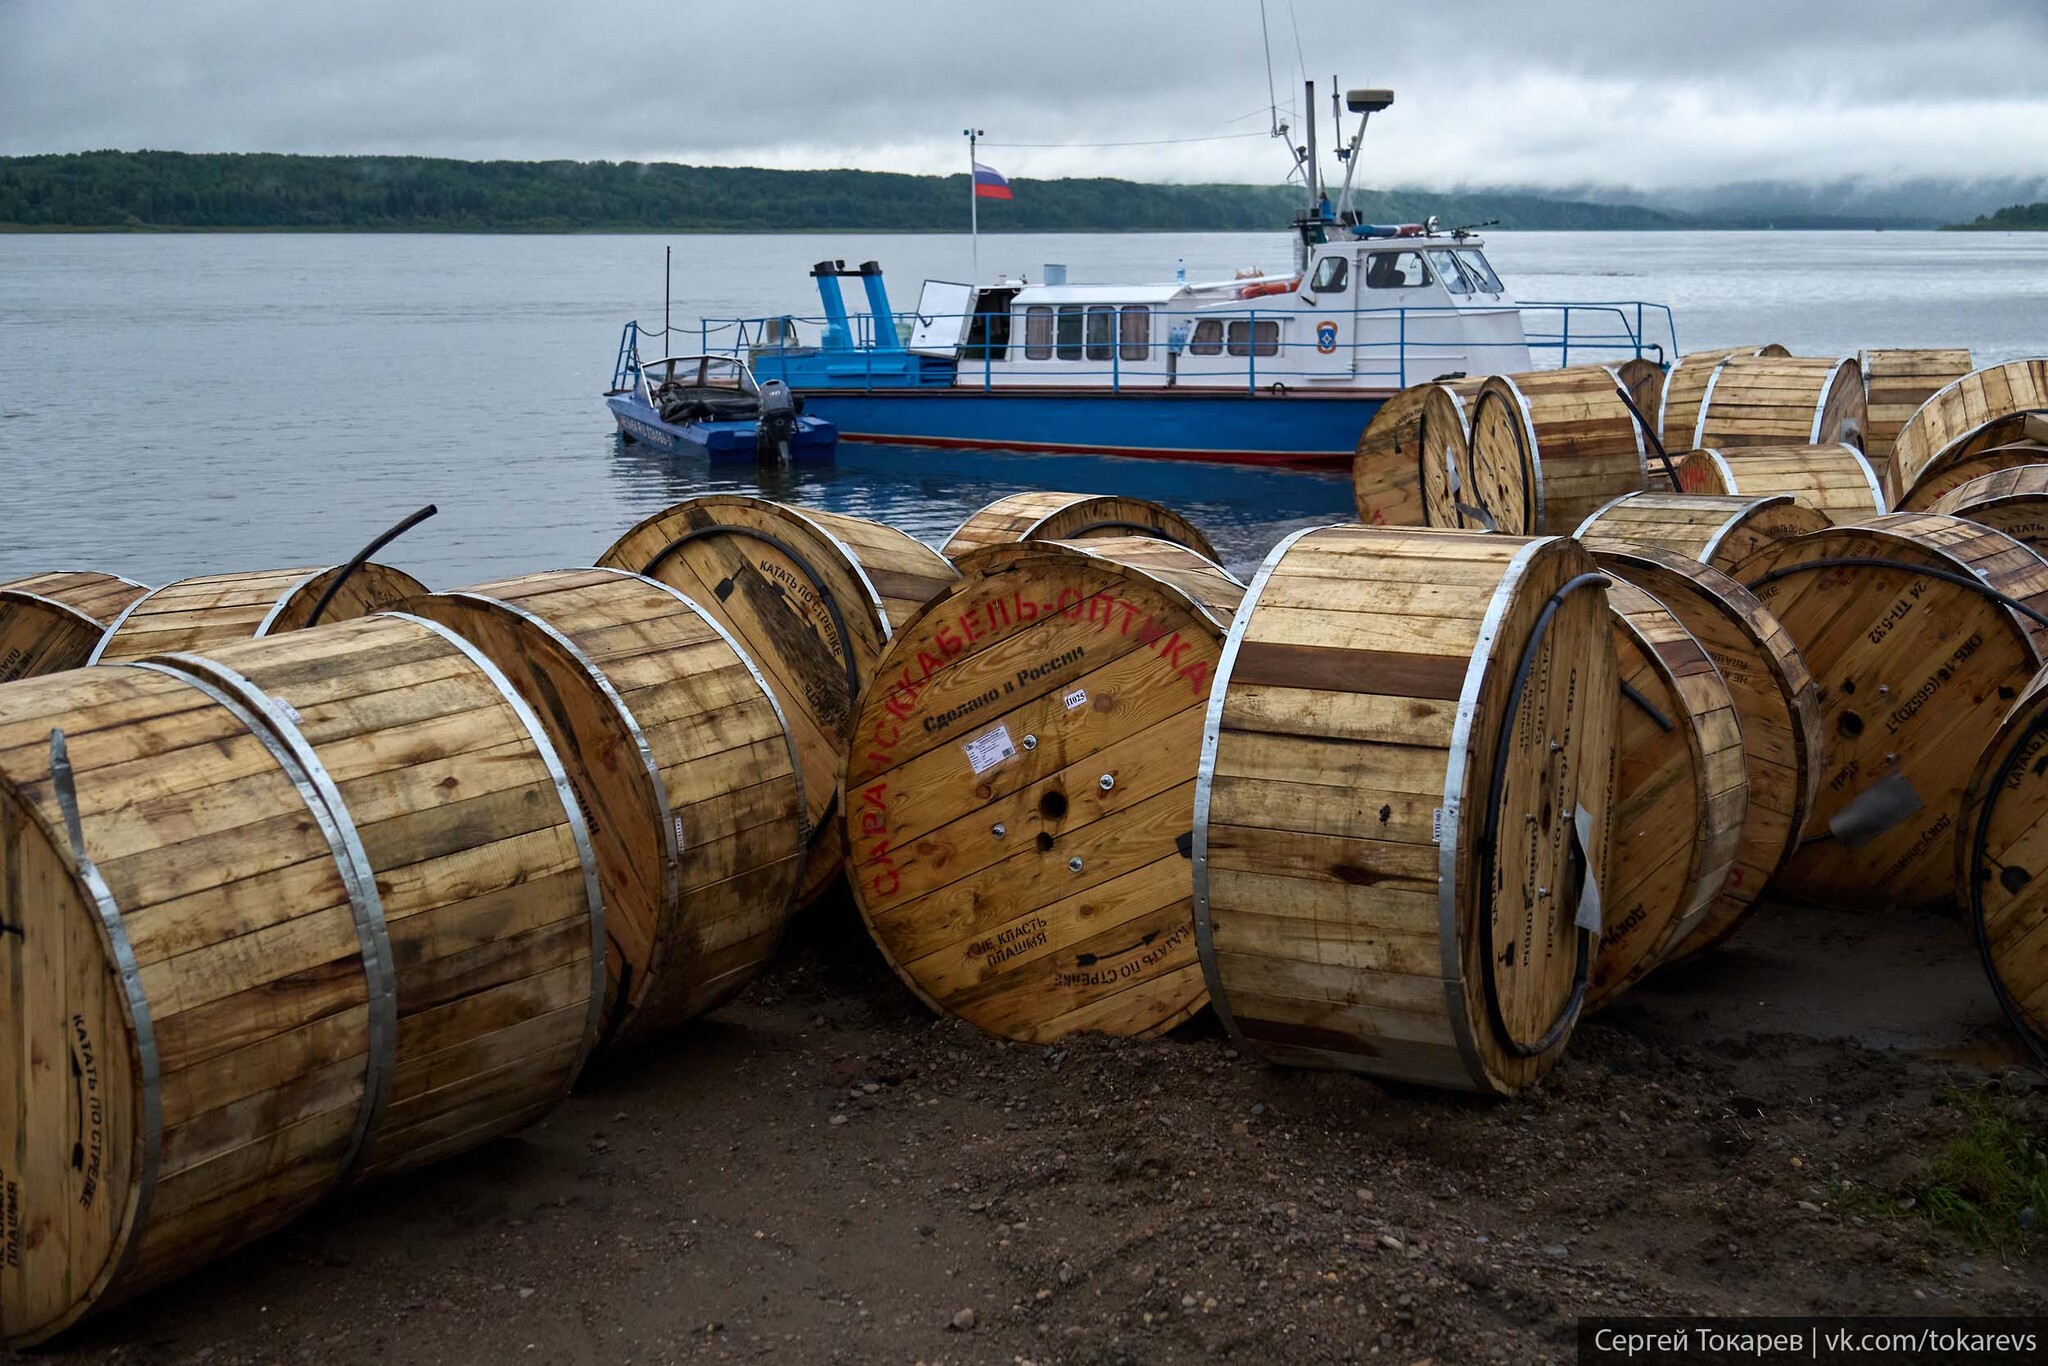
x: 1255, y: 337
x: 1447, y: 268
x: 1038, y: 332
x: 1207, y: 339
x: 1481, y: 273
x: 1134, y: 332
x: 1101, y: 330
x: 1396, y: 270
x: 1333, y: 273
x: 1069, y: 347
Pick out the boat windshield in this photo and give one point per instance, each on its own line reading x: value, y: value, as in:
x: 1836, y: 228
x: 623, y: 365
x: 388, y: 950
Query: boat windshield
x: 1480, y: 272
x: 719, y: 375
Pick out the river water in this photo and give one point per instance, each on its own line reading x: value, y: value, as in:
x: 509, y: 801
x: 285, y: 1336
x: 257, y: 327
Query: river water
x: 183, y: 404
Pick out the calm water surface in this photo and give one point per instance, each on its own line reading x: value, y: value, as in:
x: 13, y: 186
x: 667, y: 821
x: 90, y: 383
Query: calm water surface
x: 177, y: 405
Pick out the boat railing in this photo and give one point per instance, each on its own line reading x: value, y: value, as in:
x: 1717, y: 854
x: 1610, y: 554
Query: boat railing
x: 1410, y: 349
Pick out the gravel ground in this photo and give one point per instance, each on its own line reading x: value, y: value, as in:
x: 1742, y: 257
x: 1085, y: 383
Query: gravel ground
x: 824, y: 1173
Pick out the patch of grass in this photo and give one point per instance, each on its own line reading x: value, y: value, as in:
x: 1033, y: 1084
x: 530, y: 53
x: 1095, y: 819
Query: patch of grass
x: 1988, y: 1183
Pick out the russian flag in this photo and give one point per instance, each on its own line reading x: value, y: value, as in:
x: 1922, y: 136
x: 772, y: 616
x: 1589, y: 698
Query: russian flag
x: 989, y: 183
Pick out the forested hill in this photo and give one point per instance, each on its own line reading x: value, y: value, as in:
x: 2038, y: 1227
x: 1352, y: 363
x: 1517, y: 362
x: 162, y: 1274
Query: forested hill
x: 233, y: 191
x: 2012, y: 218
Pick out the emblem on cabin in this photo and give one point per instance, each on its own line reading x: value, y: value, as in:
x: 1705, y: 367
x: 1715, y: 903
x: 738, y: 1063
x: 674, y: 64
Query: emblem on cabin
x: 1326, y: 338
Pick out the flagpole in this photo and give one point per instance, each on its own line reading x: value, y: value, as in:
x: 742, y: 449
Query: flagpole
x: 973, y: 136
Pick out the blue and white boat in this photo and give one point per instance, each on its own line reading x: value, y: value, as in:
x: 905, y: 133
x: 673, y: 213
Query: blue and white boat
x: 1269, y: 370
x: 712, y: 406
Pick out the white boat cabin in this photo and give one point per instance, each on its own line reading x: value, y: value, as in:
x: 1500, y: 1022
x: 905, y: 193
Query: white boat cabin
x: 1375, y: 313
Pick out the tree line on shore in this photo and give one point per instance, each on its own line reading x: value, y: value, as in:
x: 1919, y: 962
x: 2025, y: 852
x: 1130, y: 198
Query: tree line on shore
x: 137, y: 191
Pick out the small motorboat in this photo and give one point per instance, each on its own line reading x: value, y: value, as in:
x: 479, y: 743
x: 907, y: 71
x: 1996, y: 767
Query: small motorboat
x: 713, y: 405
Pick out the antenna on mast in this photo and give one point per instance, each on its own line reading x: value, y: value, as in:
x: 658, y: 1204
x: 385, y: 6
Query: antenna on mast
x: 1272, y: 97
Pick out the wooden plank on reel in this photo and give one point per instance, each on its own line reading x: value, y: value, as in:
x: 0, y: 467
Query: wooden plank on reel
x: 1395, y: 707
x: 1781, y: 401
x: 457, y: 807
x: 1678, y: 406
x: 1959, y: 411
x: 1716, y: 529
x: 1896, y: 382
x: 1046, y: 516
x: 683, y: 767
x: 1021, y: 787
x: 1550, y: 447
x: 2014, y: 501
x: 2002, y: 444
x: 219, y: 609
x: 1680, y: 795
x: 2001, y: 862
x: 1390, y: 471
x: 52, y: 622
x: 194, y: 1013
x: 1835, y: 479
x: 813, y: 598
x: 1916, y: 664
x: 1777, y: 709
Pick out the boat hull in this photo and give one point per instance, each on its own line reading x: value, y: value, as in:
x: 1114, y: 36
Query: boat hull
x: 814, y: 440
x: 1305, y: 430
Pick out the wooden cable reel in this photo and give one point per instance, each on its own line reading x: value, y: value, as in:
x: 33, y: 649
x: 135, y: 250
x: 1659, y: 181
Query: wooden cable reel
x: 2001, y: 444
x: 1021, y: 787
x: 2014, y: 501
x: 1781, y: 401
x: 1550, y: 447
x: 681, y: 763
x: 1680, y: 797
x: 464, y: 823
x: 813, y: 598
x: 1837, y: 479
x: 1643, y: 378
x: 1959, y: 411
x: 1391, y: 471
x: 1442, y: 458
x: 1678, y: 406
x: 1902, y: 624
x: 1999, y: 862
x: 218, y: 609
x: 1896, y: 383
x: 1716, y: 529
x: 1777, y: 710
x: 1404, y: 798
x: 1042, y: 516
x: 52, y: 622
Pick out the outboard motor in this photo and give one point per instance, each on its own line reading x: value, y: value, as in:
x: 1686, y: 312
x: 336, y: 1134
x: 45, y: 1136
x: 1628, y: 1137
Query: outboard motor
x: 776, y: 429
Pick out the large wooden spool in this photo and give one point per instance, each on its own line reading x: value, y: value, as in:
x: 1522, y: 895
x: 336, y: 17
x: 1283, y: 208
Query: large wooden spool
x: 466, y: 826
x: 1896, y: 383
x: 2001, y: 862
x: 1914, y: 673
x: 1959, y: 411
x: 2003, y: 443
x: 1680, y: 795
x: 219, y: 609
x: 1551, y: 446
x: 1716, y: 529
x: 1834, y: 479
x: 52, y: 622
x: 314, y: 934
x: 2013, y: 500
x: 1043, y: 516
x: 1781, y: 401
x: 1021, y: 787
x: 813, y: 598
x: 1678, y: 406
x: 682, y: 765
x: 1404, y: 796
x: 1404, y: 447
x: 1777, y: 710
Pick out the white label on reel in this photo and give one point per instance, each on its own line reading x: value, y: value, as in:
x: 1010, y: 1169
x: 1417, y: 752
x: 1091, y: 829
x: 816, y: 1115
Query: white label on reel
x: 1077, y: 698
x: 1436, y: 826
x: 987, y: 750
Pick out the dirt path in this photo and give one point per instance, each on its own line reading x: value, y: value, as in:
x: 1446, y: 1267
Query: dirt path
x: 823, y: 1173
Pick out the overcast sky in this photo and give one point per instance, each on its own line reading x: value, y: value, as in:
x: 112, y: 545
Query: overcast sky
x: 1491, y: 92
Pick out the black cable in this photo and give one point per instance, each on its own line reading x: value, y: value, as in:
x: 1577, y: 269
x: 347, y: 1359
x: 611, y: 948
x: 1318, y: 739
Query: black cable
x: 1980, y: 844
x: 1670, y: 471
x: 1878, y: 562
x: 363, y: 556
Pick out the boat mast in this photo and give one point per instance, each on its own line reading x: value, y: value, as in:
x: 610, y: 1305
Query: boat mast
x: 973, y: 136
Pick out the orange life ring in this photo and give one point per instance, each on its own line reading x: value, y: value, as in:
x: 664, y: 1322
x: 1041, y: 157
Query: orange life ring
x: 1266, y: 287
